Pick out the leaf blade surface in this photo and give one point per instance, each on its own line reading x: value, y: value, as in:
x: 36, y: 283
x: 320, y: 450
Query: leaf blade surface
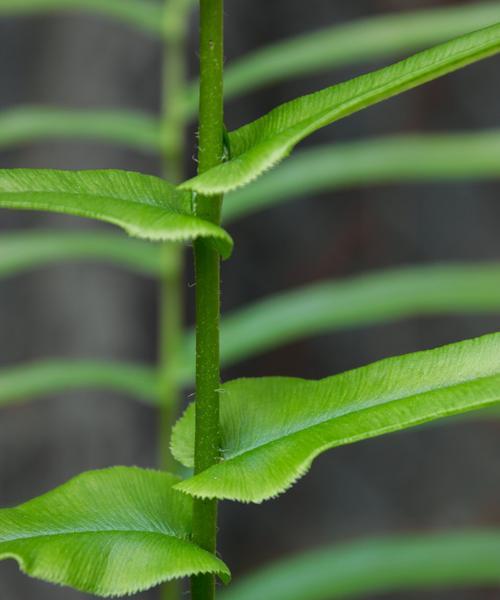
x: 143, y: 205
x: 260, y: 145
x: 111, y: 532
x: 274, y: 427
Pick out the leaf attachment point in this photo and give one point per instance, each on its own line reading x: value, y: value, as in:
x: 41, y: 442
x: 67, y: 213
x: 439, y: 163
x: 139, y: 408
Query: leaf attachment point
x: 260, y: 145
x: 144, y: 206
x: 274, y: 427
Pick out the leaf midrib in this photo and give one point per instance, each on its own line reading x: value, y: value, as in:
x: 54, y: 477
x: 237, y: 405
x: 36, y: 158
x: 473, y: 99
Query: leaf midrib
x: 167, y: 208
x: 323, y: 421
x: 91, y: 531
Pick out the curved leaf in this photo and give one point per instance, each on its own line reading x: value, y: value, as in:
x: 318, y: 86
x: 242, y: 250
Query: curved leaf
x: 273, y: 428
x: 108, y: 533
x: 32, y: 123
x: 392, y: 564
x: 26, y: 250
x: 366, y: 39
x: 358, y: 301
x: 145, y: 206
x: 144, y: 14
x: 376, y: 297
x: 260, y: 145
x: 22, y: 382
x: 394, y: 159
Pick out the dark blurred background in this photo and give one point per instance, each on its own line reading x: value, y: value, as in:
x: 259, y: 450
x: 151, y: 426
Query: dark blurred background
x: 443, y: 477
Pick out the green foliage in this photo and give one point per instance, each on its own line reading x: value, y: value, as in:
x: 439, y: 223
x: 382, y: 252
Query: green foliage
x: 383, y: 565
x: 394, y: 159
x: 329, y: 167
x: 314, y: 309
x: 379, y: 36
x: 260, y: 145
x: 145, y: 206
x: 317, y: 308
x: 382, y: 160
x: 33, y: 123
x: 375, y: 37
x: 272, y: 428
x: 124, y: 530
x: 109, y: 533
x: 357, y: 301
x: 367, y: 39
x: 22, y: 382
x: 145, y: 14
x: 26, y: 250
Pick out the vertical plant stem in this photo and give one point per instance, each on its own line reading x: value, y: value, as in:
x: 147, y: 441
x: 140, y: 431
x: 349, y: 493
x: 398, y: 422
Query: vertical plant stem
x: 207, y: 271
x: 174, y: 88
x: 173, y: 125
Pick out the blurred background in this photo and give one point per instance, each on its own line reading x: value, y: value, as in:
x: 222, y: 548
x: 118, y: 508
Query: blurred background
x: 426, y: 479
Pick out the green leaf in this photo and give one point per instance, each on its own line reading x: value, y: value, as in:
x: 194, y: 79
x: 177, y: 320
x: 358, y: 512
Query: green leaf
x: 145, y: 206
x: 377, y: 297
x: 394, y: 159
x: 143, y: 14
x: 33, y: 123
x: 108, y: 533
x: 367, y: 39
x: 26, y: 250
x: 22, y: 382
x: 260, y: 145
x: 392, y: 564
x: 273, y: 428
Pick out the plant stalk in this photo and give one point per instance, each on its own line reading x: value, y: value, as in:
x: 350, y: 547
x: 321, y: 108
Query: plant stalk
x: 173, y: 126
x: 207, y: 273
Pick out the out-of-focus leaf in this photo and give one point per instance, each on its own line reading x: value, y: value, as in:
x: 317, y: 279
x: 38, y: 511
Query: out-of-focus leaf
x: 33, y: 123
x: 394, y: 159
x: 263, y: 143
x: 272, y: 428
x: 392, y: 564
x: 367, y: 39
x: 109, y: 533
x: 378, y: 297
x: 373, y: 298
x: 26, y: 250
x: 24, y: 382
x: 145, y: 206
x: 146, y: 15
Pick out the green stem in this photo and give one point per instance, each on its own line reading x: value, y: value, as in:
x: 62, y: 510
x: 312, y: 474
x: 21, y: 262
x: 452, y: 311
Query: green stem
x: 173, y: 121
x: 207, y: 272
x: 171, y: 344
x: 173, y: 126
